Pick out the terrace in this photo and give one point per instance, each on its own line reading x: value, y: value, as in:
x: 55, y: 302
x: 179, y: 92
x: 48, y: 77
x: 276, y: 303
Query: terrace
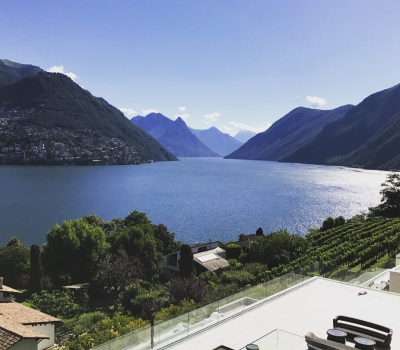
x: 274, y: 315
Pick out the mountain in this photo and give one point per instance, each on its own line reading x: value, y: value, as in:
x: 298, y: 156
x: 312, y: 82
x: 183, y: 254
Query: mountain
x: 154, y: 124
x: 218, y: 141
x: 11, y: 72
x: 366, y: 136
x: 288, y: 134
x: 244, y: 135
x: 173, y: 135
x: 52, y: 101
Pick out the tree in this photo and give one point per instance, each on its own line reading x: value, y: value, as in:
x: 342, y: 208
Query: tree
x: 241, y: 237
x: 186, y: 263
x: 140, y: 297
x: 36, y: 271
x: 73, y: 252
x: 183, y: 288
x: 277, y: 248
x: 167, y: 239
x: 114, y: 276
x: 260, y: 232
x: 136, y: 218
x: 330, y: 223
x: 55, y: 303
x: 14, y: 262
x: 139, y: 242
x: 390, y: 201
x: 327, y: 224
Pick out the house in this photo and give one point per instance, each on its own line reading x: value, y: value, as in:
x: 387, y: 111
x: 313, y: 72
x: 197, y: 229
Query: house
x: 215, y: 258
x: 23, y: 328
x: 247, y: 240
x: 210, y: 260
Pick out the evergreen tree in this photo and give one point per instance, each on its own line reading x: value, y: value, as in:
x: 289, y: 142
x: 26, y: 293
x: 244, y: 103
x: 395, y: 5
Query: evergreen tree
x: 35, y: 271
x: 260, y: 232
x: 186, y: 262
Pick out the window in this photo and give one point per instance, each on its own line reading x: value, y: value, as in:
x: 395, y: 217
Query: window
x: 172, y: 259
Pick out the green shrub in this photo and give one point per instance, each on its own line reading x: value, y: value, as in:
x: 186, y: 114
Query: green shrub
x: 233, y: 251
x: 241, y: 278
x: 55, y: 303
x: 209, y: 276
x: 87, y: 322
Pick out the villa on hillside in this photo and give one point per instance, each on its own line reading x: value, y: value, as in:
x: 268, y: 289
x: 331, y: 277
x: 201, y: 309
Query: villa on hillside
x: 207, y: 256
x: 21, y: 327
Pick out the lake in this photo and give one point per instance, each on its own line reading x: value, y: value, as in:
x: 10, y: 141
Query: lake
x: 197, y: 198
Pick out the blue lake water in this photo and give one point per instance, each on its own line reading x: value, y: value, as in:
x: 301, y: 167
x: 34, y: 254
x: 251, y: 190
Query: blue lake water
x: 197, y: 198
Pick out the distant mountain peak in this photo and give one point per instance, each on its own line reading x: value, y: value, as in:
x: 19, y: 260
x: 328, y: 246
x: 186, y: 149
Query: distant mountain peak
x: 244, y: 135
x: 11, y: 72
x: 179, y: 120
x: 174, y: 135
x: 218, y: 141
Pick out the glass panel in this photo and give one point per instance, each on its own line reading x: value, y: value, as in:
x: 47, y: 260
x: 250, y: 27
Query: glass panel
x: 203, y: 317
x: 280, y: 340
x: 173, y: 329
x: 208, y: 315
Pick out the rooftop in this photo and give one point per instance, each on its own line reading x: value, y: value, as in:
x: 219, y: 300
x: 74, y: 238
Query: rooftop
x: 19, y: 330
x: 16, y: 312
x: 310, y: 307
x: 12, y: 332
x: 9, y: 289
x: 279, y: 312
x: 210, y: 259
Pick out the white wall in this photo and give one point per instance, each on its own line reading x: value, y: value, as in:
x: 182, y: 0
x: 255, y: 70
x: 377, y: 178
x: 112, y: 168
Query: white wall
x: 47, y: 329
x: 394, y: 285
x: 209, y: 246
x: 25, y: 344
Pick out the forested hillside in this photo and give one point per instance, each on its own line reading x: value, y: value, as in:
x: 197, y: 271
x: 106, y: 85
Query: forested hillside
x: 11, y: 72
x: 288, y: 134
x: 367, y: 136
x: 53, y: 101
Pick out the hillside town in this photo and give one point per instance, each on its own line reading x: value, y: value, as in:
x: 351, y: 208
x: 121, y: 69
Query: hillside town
x: 22, y: 143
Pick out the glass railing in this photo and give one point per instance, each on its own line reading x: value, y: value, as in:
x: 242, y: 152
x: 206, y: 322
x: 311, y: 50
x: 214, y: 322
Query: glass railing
x: 165, y: 332
x: 353, y: 275
x: 207, y: 316
x: 279, y: 340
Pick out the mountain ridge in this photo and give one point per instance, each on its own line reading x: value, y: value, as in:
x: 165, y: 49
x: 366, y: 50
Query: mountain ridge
x: 348, y: 140
x: 173, y: 135
x: 287, y: 134
x: 10, y: 71
x: 217, y: 141
x: 60, y: 103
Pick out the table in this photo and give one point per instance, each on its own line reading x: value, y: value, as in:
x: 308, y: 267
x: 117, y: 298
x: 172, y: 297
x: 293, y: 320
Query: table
x: 252, y: 347
x: 364, y: 343
x: 336, y: 335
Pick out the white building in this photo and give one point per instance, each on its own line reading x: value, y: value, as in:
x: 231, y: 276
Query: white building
x: 23, y: 328
x: 217, y: 255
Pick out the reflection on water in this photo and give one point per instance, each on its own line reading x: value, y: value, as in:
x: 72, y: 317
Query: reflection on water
x: 197, y: 198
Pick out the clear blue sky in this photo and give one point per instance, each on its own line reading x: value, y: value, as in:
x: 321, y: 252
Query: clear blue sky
x: 243, y: 64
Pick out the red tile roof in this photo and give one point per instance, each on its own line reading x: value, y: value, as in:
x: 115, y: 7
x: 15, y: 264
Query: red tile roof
x: 16, y: 312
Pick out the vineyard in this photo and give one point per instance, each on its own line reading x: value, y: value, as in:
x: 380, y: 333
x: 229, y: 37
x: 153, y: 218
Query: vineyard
x: 352, y: 244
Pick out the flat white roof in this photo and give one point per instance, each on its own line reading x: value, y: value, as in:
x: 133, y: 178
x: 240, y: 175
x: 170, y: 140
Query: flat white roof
x: 308, y: 308
x: 208, y: 257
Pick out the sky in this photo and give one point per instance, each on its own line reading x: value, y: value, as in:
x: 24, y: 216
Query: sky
x: 225, y: 63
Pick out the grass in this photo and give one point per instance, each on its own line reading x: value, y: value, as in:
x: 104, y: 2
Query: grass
x: 385, y: 262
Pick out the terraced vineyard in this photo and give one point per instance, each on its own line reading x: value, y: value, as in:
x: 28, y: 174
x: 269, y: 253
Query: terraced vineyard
x: 354, y: 244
